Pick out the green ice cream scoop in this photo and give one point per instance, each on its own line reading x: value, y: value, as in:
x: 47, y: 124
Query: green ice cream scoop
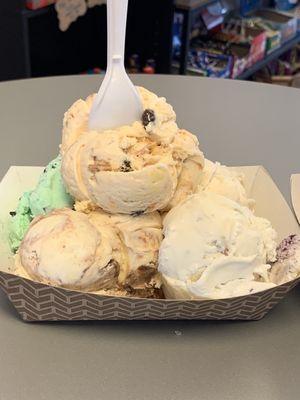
x: 49, y: 194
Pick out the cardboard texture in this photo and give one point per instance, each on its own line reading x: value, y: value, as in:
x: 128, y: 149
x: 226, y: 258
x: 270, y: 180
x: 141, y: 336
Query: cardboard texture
x: 295, y: 194
x: 38, y: 302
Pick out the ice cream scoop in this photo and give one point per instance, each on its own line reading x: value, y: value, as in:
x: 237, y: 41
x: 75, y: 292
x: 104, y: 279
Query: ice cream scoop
x: 49, y: 194
x: 117, y: 102
x: 287, y: 266
x: 147, y: 166
x: 188, y: 180
x: 141, y: 237
x: 93, y: 250
x: 64, y: 249
x: 225, y: 181
x: 213, y: 247
x: 75, y: 122
x: 158, y: 119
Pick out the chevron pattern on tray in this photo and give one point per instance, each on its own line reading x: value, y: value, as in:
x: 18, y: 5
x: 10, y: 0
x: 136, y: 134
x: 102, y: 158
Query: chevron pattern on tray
x: 39, y: 302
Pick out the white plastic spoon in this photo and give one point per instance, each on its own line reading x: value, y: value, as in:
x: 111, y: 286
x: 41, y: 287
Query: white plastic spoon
x: 117, y: 102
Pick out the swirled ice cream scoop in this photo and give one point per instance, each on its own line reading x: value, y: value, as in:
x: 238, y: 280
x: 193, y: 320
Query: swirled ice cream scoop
x: 215, y: 248
x: 148, y: 166
x: 140, y: 237
x: 93, y: 250
x: 64, y: 249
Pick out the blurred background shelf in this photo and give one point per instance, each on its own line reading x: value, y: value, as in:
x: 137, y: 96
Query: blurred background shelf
x: 229, y: 39
x: 33, y: 45
x: 192, y: 4
x: 35, y: 13
x: 270, y: 57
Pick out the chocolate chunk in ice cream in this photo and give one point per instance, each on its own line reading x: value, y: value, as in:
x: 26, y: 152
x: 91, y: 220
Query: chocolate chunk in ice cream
x: 148, y: 116
x: 126, y: 166
x: 109, y: 274
x: 137, y: 213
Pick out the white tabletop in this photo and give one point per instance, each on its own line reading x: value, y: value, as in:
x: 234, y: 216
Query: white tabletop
x: 238, y: 123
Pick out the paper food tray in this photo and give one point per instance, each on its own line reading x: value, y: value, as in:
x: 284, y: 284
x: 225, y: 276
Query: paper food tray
x: 38, y: 302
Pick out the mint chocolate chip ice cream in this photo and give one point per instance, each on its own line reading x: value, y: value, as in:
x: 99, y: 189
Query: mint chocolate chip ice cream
x: 48, y: 195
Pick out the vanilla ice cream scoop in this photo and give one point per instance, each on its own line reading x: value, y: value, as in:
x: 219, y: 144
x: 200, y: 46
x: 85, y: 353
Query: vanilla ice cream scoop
x: 158, y: 119
x: 215, y: 248
x: 64, y: 249
x: 148, y: 166
x: 225, y: 181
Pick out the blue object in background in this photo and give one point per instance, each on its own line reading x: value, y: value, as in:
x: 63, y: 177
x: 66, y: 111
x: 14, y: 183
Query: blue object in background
x: 284, y: 5
x: 247, y: 6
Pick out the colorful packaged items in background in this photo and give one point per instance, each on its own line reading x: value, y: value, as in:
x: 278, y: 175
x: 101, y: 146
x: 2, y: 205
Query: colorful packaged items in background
x: 93, y: 71
x: 253, y: 40
x: 35, y: 4
x: 210, y: 64
x: 284, y: 71
x: 295, y: 13
x: 247, y: 44
x: 228, y: 52
x: 273, y: 35
x: 134, y: 65
x: 285, y: 24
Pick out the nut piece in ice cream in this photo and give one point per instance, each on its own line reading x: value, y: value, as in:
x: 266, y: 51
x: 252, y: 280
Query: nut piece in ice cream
x: 287, y: 266
x: 215, y: 248
x: 148, y: 166
x: 65, y: 249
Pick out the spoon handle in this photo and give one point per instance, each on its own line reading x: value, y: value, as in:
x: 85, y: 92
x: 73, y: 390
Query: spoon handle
x: 116, y: 30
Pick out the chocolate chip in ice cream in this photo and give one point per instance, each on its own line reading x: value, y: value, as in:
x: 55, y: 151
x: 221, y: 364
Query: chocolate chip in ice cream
x: 148, y: 116
x: 225, y: 251
x: 143, y: 274
x: 109, y: 274
x: 13, y: 213
x: 126, y: 166
x: 137, y: 213
x: 146, y: 272
x: 148, y: 293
